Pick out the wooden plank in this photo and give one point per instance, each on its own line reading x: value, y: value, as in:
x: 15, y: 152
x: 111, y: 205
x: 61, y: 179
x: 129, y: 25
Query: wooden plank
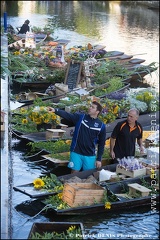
x: 54, y: 133
x: 133, y: 187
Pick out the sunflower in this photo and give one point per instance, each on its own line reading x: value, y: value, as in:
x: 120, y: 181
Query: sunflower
x: 38, y: 183
x: 60, y: 195
x: 71, y: 228
x: 24, y: 121
x: 107, y: 205
x: 23, y: 110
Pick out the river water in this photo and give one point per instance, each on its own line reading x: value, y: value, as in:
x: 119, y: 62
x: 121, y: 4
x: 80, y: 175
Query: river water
x: 126, y: 27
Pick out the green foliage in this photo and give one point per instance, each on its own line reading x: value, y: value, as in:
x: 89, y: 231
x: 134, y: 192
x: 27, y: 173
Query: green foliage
x: 51, y: 182
x: 114, y: 84
x: 71, y: 233
x: 52, y: 147
x: 107, y: 70
x: 56, y: 202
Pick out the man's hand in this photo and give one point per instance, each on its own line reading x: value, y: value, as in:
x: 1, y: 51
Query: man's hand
x: 50, y: 109
x: 141, y: 150
x: 98, y: 164
x: 112, y: 154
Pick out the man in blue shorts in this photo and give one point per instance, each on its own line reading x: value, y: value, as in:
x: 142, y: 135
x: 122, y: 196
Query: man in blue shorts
x: 89, y: 133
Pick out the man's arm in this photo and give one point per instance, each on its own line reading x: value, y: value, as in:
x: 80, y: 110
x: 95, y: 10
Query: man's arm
x: 101, y: 145
x: 140, y: 143
x: 73, y: 118
x: 112, y: 144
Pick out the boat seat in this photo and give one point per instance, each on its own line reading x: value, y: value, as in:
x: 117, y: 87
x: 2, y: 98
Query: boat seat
x: 136, y: 61
x: 133, y: 187
x: 54, y: 133
x: 124, y: 57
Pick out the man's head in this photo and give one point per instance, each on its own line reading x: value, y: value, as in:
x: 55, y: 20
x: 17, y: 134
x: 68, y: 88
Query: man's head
x: 133, y: 115
x: 27, y: 21
x: 95, y: 109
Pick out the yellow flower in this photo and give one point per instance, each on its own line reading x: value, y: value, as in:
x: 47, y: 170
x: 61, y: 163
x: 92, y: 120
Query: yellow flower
x: 72, y: 228
x: 68, y: 141
x: 23, y: 110
x: 38, y: 183
x: 37, y: 121
x: 46, y: 120
x: 107, y: 205
x: 51, y: 57
x: 17, y: 53
x: 60, y: 206
x: 24, y: 121
x: 60, y: 195
x: 115, y: 109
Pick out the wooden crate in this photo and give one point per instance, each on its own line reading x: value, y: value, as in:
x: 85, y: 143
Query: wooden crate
x: 81, y: 194
x: 133, y: 174
x: 49, y: 227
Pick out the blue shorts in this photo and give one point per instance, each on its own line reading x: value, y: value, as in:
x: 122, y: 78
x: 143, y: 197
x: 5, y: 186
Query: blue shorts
x: 78, y: 162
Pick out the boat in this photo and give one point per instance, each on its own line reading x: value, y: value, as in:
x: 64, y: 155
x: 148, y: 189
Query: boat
x: 39, y: 39
x: 119, y: 191
x: 122, y: 202
x: 58, y: 228
x: 144, y: 119
x: 140, y: 71
x: 29, y: 190
x: 121, y: 90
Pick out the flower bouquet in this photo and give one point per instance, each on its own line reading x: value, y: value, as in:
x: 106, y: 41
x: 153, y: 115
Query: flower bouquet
x: 41, y: 117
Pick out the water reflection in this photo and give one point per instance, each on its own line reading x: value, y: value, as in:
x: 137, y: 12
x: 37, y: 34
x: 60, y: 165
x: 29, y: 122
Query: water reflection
x: 119, y: 26
x: 116, y: 25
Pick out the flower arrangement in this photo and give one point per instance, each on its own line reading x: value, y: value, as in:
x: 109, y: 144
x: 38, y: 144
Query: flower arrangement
x: 144, y: 99
x: 49, y: 183
x: 41, y: 115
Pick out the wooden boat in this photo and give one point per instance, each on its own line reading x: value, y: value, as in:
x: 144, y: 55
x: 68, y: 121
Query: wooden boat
x: 38, y: 85
x: 144, y: 119
x: 121, y: 90
x: 29, y: 190
x: 122, y: 202
x: 28, y: 98
x: 20, y: 43
x: 140, y: 71
x: 42, y: 228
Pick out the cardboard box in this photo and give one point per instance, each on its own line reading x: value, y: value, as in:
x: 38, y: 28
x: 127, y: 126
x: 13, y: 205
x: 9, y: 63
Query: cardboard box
x: 82, y: 194
x: 132, y: 174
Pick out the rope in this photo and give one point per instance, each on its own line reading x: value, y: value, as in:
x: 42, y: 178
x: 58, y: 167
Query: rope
x: 34, y: 154
x: 38, y: 161
x: 45, y: 208
x: 15, y: 134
